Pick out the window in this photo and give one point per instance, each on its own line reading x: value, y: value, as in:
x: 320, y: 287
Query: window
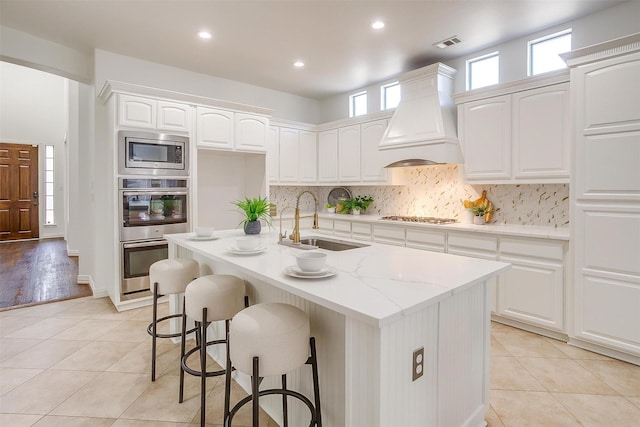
x: 358, y: 104
x: 389, y: 95
x: 49, y: 213
x: 483, y: 71
x: 543, y: 53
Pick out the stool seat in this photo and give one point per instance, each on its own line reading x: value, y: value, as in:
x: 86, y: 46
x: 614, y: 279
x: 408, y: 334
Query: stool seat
x: 277, y: 333
x: 172, y: 275
x: 223, y: 296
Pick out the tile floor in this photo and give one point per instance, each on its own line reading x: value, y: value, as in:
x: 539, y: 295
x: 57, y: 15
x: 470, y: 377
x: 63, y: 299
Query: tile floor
x: 80, y: 363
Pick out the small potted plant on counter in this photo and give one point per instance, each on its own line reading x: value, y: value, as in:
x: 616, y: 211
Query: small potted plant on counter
x: 480, y: 212
x: 360, y: 204
x: 331, y: 208
x: 255, y: 209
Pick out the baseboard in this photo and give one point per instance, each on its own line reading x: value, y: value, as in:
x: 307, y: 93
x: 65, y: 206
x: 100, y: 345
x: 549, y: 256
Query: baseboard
x: 85, y: 279
x: 609, y: 352
x: 72, y: 252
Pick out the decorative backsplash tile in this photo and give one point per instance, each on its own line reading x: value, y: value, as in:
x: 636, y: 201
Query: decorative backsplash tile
x: 438, y: 191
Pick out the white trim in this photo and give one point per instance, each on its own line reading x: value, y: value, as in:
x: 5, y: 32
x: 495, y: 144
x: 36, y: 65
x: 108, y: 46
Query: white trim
x: 73, y: 252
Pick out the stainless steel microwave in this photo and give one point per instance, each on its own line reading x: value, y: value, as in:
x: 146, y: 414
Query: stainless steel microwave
x: 154, y: 154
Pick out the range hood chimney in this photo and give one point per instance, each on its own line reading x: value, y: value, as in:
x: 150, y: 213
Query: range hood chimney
x: 423, y: 127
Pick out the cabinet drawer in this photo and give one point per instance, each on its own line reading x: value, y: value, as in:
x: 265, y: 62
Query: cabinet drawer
x: 342, y: 228
x: 390, y: 235
x: 425, y: 239
x: 532, y: 248
x: 360, y: 231
x: 325, y: 225
x: 479, y: 242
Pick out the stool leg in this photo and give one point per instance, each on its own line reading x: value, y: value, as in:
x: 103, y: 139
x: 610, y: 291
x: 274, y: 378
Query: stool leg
x: 255, y: 383
x: 203, y: 366
x: 285, y: 414
x: 316, y: 386
x: 182, y: 350
x: 154, y: 330
x: 227, y: 379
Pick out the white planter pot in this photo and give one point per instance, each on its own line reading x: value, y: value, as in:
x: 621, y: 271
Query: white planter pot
x: 331, y: 210
x: 467, y: 217
x: 355, y: 211
x: 478, y: 220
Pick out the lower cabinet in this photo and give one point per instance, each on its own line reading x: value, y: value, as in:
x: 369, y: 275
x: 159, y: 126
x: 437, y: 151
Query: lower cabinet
x: 361, y: 231
x: 429, y: 240
x: 342, y: 228
x: 389, y: 234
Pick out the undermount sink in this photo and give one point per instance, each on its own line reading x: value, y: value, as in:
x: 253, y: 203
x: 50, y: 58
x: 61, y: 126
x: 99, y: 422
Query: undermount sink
x: 330, y: 244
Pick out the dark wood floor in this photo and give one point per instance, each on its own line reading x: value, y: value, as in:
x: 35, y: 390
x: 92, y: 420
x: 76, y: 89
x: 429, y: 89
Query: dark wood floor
x: 37, y: 271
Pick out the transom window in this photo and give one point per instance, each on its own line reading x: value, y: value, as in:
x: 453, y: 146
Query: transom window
x: 483, y: 71
x: 389, y: 95
x: 543, y: 53
x: 358, y: 104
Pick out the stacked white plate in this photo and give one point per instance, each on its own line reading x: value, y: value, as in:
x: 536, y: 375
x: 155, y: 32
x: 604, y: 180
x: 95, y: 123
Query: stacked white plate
x: 237, y: 251
x: 294, y: 271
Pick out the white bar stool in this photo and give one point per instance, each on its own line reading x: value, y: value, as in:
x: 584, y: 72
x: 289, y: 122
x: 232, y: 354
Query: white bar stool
x: 273, y: 339
x: 167, y: 277
x: 209, y: 299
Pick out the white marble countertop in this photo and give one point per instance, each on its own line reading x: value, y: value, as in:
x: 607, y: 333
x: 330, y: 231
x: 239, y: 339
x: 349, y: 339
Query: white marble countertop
x: 377, y: 283
x: 536, y: 231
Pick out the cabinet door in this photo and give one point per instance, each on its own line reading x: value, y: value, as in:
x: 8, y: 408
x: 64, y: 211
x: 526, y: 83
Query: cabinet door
x: 328, y: 156
x: 251, y: 132
x: 485, y: 136
x: 349, y: 153
x: 308, y: 156
x: 342, y: 228
x: 372, y: 164
x: 137, y: 112
x: 361, y: 231
x: 173, y: 116
x: 389, y: 234
x: 289, y: 157
x: 430, y: 240
x: 325, y: 226
x: 214, y: 128
x: 541, y: 132
x: 273, y: 155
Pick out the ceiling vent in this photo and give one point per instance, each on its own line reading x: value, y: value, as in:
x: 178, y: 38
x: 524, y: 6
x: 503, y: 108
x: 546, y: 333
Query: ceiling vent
x: 447, y: 42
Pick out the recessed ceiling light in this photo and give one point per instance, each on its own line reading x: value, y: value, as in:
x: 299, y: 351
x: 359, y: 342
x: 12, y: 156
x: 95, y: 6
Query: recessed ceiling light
x: 298, y: 64
x: 205, y: 35
x: 377, y: 25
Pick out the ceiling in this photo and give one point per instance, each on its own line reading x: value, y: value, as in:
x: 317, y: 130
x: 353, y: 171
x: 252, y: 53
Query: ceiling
x: 256, y: 42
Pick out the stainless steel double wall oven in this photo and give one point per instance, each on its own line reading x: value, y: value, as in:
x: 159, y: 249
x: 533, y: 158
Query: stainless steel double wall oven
x: 153, y: 202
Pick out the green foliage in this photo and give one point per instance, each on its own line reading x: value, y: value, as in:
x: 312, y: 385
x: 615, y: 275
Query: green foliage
x: 255, y: 209
x: 480, y: 210
x: 361, y: 202
x: 330, y: 206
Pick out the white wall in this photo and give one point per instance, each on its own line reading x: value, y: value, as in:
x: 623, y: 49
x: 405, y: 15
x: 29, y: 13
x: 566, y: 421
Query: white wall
x: 111, y: 66
x: 33, y: 110
x: 617, y: 21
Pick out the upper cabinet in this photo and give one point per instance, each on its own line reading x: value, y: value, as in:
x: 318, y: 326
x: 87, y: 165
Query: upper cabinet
x: 291, y: 155
x: 328, y: 156
x: 228, y: 130
x: 372, y: 162
x: 518, y: 132
x: 349, y: 154
x: 147, y: 113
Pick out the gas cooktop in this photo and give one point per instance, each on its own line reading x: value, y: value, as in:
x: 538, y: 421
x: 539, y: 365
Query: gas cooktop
x: 425, y: 219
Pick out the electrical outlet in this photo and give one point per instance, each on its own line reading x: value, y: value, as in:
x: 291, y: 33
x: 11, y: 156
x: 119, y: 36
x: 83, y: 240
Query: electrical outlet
x: 418, y: 363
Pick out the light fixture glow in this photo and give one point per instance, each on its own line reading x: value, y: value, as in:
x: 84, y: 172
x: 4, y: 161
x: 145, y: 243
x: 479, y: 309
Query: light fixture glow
x: 298, y: 64
x: 205, y: 35
x: 377, y: 25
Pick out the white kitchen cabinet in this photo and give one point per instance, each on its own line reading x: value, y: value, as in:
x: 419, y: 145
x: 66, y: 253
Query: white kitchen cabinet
x: 349, y: 153
x: 426, y: 239
x: 605, y: 198
x: 372, y: 162
x: 541, y: 132
x: 308, y: 157
x: 289, y: 155
x: 389, y: 234
x: 361, y: 231
x: 342, y: 228
x: 532, y: 291
x: 477, y: 246
x: 328, y: 156
x: 273, y: 155
x: 215, y: 128
x: 325, y: 226
x: 137, y: 112
x: 172, y: 116
x: 250, y: 132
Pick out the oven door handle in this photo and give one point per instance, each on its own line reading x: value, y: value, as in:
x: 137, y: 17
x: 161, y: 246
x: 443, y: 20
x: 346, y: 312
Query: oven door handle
x: 145, y: 244
x: 154, y: 193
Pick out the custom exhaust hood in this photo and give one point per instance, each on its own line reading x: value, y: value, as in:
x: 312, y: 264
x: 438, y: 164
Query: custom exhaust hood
x: 422, y: 130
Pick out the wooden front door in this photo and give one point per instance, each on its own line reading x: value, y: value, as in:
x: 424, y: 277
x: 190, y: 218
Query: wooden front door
x: 18, y: 191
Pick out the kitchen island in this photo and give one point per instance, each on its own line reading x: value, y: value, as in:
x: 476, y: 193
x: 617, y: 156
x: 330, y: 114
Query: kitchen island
x: 383, y: 304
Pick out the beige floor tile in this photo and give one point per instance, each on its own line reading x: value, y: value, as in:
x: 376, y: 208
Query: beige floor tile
x: 89, y: 308
x: 10, y: 378
x: 622, y: 377
x: 565, y: 375
x: 215, y: 407
x: 59, y: 421
x: 575, y: 352
x: 44, y: 329
x: 530, y: 409
x: 18, y: 420
x: 138, y: 360
x: 9, y: 347
x: 498, y: 349
x: 128, y: 331
x: 634, y: 400
x: 107, y: 396
x: 508, y: 374
x: 88, y: 329
x: 95, y: 356
x: 138, y: 423
x: 44, y: 392
x: 146, y: 313
x: 46, y: 310
x: 43, y: 355
x: 160, y: 400
x: 492, y: 418
x: 598, y: 411
x: 521, y: 343
x: 12, y: 324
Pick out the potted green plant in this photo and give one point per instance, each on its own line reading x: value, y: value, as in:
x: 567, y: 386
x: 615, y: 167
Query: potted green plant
x: 331, y: 208
x: 480, y: 212
x: 360, y: 203
x: 255, y: 209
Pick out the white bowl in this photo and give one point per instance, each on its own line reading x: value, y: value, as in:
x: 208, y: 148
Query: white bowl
x: 247, y: 243
x: 311, y: 262
x: 203, y: 231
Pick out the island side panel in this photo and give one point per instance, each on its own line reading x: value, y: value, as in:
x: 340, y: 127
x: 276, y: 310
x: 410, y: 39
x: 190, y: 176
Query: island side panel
x: 463, y: 354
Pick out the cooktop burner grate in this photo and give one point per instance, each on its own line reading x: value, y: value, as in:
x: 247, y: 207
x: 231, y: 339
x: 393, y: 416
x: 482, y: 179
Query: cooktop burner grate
x: 425, y: 219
